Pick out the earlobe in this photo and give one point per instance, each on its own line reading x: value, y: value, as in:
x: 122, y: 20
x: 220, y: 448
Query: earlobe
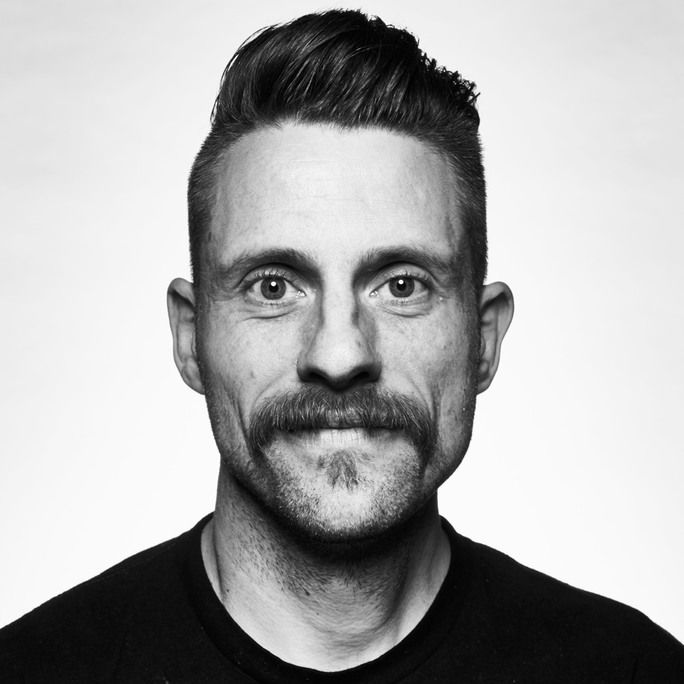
x: 180, y: 300
x: 496, y: 313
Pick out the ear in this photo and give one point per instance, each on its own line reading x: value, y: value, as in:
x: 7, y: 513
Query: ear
x: 180, y: 300
x: 496, y: 313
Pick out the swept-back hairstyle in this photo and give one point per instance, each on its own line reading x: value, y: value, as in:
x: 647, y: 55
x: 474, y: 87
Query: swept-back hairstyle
x: 341, y: 67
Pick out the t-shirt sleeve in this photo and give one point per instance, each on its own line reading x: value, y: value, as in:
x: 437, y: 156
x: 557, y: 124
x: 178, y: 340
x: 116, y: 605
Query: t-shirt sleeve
x: 660, y: 659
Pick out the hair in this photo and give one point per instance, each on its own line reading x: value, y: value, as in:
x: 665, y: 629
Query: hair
x: 344, y: 68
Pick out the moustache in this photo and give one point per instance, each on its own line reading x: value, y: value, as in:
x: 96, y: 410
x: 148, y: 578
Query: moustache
x: 315, y: 408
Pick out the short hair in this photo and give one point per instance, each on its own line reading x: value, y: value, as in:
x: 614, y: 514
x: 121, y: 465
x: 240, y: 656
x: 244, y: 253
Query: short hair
x: 344, y: 68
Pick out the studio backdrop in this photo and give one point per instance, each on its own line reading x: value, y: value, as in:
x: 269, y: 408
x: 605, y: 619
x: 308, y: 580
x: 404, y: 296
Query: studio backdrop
x: 577, y: 461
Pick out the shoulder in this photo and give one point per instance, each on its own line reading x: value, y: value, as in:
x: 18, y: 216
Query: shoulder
x: 94, y: 619
x: 533, y: 613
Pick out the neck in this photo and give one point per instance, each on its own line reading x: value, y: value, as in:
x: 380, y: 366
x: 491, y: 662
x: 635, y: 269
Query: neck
x: 326, y: 607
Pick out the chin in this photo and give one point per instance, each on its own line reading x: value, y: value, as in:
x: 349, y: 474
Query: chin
x: 348, y: 499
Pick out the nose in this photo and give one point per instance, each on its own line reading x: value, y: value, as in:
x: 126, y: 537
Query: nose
x: 339, y: 349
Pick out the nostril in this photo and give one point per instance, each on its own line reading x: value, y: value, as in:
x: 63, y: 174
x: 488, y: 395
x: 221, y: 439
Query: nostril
x: 339, y: 381
x: 340, y: 353
x: 339, y: 374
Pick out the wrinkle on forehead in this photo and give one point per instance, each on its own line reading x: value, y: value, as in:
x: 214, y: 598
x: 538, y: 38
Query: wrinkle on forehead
x: 358, y: 174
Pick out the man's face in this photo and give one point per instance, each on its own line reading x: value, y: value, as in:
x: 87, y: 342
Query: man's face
x: 336, y: 277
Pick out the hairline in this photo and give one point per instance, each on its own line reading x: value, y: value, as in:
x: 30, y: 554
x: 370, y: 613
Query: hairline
x: 457, y: 222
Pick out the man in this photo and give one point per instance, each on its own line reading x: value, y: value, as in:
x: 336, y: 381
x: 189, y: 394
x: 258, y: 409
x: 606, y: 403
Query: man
x: 339, y: 325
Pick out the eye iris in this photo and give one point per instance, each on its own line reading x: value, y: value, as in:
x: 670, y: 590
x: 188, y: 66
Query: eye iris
x: 402, y: 287
x: 273, y: 288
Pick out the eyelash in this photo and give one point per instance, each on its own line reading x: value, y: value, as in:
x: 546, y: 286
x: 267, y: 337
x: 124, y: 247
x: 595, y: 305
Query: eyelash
x: 418, y: 277
x: 287, y: 276
x: 264, y: 275
x: 268, y: 273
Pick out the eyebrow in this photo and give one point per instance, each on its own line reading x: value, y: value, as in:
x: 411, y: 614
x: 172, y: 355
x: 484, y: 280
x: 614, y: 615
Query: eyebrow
x: 434, y: 262
x: 245, y: 262
x: 304, y: 262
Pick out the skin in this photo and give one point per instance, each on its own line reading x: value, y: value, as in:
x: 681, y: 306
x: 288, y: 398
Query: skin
x: 335, y: 260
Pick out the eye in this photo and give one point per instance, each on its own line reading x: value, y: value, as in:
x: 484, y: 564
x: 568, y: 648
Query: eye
x: 402, y: 289
x: 272, y: 289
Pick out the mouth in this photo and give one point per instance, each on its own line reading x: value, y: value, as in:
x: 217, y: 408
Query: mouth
x: 338, y: 435
x: 370, y: 415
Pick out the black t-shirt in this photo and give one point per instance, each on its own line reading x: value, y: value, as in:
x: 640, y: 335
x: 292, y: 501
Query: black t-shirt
x: 155, y: 618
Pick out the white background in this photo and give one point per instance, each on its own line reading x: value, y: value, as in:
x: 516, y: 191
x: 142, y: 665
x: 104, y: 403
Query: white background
x: 576, y: 466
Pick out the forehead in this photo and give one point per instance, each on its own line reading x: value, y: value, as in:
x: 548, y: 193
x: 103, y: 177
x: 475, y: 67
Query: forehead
x: 322, y: 188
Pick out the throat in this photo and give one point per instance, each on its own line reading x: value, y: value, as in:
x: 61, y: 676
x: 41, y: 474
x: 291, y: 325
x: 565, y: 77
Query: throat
x: 336, y: 608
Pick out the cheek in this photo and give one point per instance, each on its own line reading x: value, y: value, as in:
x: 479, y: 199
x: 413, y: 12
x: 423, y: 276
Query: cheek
x: 434, y: 355
x: 247, y: 358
